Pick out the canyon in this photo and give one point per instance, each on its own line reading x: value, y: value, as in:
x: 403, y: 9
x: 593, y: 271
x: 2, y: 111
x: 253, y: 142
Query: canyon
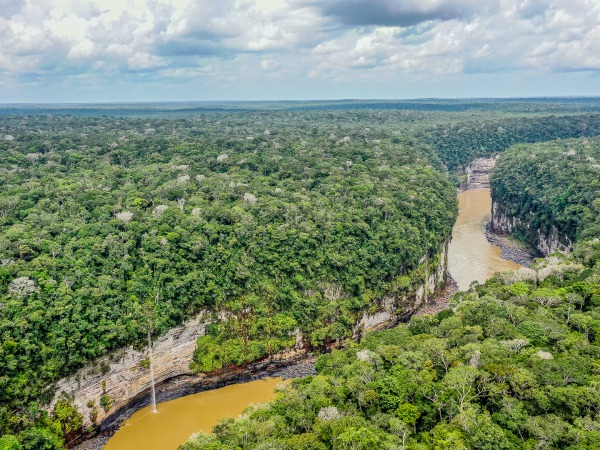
x: 477, y: 176
x: 123, y: 378
x: 477, y: 173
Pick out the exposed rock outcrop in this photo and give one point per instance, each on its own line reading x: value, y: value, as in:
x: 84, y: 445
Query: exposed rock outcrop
x: 511, y: 250
x: 503, y: 223
x: 295, y: 366
x: 478, y: 173
x: 553, y: 241
x: 394, y: 308
x: 124, y: 374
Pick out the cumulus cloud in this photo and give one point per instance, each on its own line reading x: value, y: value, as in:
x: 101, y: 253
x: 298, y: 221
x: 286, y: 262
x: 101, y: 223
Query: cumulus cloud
x: 421, y: 38
x: 553, y: 35
x: 233, y: 41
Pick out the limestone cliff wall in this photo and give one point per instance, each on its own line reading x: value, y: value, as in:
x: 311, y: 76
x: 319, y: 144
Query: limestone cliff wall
x: 124, y: 377
x: 478, y: 173
x: 544, y: 242
x: 394, y: 307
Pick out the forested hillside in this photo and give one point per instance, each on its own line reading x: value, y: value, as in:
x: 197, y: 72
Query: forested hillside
x: 551, y: 184
x: 109, y: 226
x: 512, y: 365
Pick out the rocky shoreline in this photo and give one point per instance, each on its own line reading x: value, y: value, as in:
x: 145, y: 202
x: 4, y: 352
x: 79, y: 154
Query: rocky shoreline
x: 511, y: 250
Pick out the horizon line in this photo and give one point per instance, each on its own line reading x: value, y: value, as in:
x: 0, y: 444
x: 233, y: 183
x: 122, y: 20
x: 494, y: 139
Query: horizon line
x: 141, y: 102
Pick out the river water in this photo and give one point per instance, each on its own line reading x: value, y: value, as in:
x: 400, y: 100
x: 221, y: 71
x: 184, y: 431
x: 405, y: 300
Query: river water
x: 178, y: 419
x: 470, y: 256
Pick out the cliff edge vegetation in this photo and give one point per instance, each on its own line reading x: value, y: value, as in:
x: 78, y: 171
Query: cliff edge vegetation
x: 549, y: 189
x: 513, y: 365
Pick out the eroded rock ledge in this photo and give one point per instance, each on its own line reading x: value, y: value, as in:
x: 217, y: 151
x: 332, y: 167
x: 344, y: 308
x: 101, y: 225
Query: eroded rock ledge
x: 124, y: 374
x: 478, y: 173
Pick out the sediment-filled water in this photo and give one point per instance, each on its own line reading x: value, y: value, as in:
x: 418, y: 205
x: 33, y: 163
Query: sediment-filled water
x: 470, y: 256
x: 178, y: 419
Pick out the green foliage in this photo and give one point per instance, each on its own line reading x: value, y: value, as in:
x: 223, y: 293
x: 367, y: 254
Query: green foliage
x: 457, y: 144
x: 202, y: 441
x: 508, y: 369
x: 239, y: 341
x: 145, y: 364
x: 106, y: 402
x: 110, y: 225
x: 551, y: 186
x: 9, y: 442
x: 408, y: 413
x: 68, y: 417
x: 40, y: 439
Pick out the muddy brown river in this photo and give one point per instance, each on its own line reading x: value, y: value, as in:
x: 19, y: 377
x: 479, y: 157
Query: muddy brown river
x: 470, y: 256
x: 178, y: 419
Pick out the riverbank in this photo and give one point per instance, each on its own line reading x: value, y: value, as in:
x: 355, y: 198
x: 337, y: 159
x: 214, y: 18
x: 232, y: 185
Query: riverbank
x: 511, y: 249
x: 298, y: 366
x: 124, y: 370
x: 175, y: 389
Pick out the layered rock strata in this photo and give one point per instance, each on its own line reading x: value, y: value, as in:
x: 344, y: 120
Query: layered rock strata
x: 123, y: 377
x: 478, y: 173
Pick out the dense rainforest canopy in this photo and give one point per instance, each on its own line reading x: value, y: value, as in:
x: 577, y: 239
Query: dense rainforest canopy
x: 109, y: 226
x: 285, y: 221
x: 457, y: 144
x: 514, y: 365
x: 551, y: 184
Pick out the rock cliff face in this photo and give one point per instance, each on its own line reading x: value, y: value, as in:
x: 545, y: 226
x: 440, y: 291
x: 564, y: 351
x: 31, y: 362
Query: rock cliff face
x: 553, y: 241
x: 124, y: 375
x: 394, y: 308
x: 544, y: 242
x: 478, y: 173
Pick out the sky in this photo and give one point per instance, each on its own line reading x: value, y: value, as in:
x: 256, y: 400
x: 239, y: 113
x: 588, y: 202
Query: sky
x: 196, y: 50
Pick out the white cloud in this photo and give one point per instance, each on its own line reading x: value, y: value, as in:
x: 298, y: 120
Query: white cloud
x: 256, y: 40
x: 269, y: 65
